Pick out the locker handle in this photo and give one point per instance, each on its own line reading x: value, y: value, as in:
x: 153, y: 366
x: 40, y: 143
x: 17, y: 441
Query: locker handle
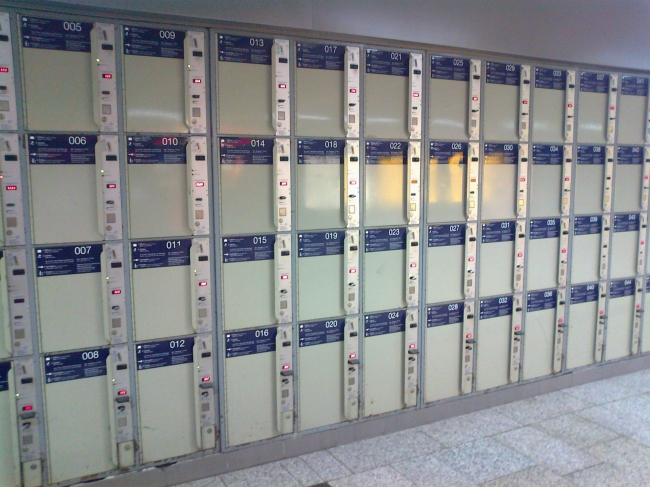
x: 286, y: 373
x: 105, y: 291
x: 99, y: 186
x: 111, y: 411
x: 13, y: 412
x: 5, y: 316
x: 354, y: 361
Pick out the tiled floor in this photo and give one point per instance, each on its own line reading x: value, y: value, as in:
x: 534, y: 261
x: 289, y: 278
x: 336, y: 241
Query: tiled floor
x: 597, y: 434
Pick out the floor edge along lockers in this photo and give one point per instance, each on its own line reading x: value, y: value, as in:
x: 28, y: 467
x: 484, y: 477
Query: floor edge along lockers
x: 223, y: 247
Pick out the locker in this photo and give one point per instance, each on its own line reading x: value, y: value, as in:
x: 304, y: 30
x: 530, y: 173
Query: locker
x: 170, y: 288
x: 9, y: 447
x: 333, y: 397
x: 11, y: 191
x: 593, y: 111
x: 258, y: 384
x: 384, y: 272
x: 449, y: 95
x: 8, y: 111
x: 178, y: 374
x: 502, y: 106
x: 16, y: 333
x: 164, y: 80
x: 74, y: 187
x: 543, y: 253
x: 620, y: 319
x: 496, y: 263
x: 446, y: 256
x: 393, y: 94
x: 546, y: 181
x: 327, y: 90
x: 447, y: 197
x: 493, y: 342
x: 539, y: 337
x: 167, y: 186
x: 590, y: 180
x: 69, y: 75
x: 261, y: 264
x: 550, y: 117
x: 390, y: 361
x: 255, y: 175
x: 582, y: 329
x: 625, y: 245
x: 632, y: 110
x: 585, y: 253
x: 499, y: 193
x: 444, y: 345
x: 629, y: 179
x: 80, y: 296
x: 253, y: 85
x: 645, y: 332
x: 386, y: 183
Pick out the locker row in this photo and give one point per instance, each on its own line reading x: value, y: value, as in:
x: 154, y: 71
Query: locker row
x: 71, y: 68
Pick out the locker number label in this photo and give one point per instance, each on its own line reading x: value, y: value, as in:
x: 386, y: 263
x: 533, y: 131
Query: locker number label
x: 5, y: 368
x: 248, y: 249
x: 446, y: 235
x: 448, y: 153
x: 495, y: 307
x: 631, y: 85
x: 146, y: 149
x: 547, y: 155
x: 591, y: 154
x: 628, y: 222
x: 449, y: 68
x: 55, y: 34
x: 250, y: 342
x: 445, y: 314
x: 312, y: 151
x: 235, y: 150
x: 622, y: 288
x: 160, y: 253
x: 384, y: 323
x: 594, y: 82
x: 502, y: 74
x: 75, y: 365
x: 241, y: 49
x: 68, y: 260
x: 319, y: 244
x: 165, y: 43
x: 320, y: 56
x: 541, y: 300
x: 384, y: 239
x: 587, y: 225
x: 321, y: 332
x: 62, y: 149
x: 387, y: 62
x: 550, y: 79
x: 165, y: 353
x: 493, y: 232
x: 629, y: 155
x: 386, y: 152
x: 586, y: 293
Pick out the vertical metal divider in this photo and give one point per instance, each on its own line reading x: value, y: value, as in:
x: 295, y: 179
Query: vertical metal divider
x: 362, y: 227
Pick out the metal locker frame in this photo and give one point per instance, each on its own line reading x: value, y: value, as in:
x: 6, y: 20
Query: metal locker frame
x: 569, y: 121
x: 645, y: 184
x: 411, y: 353
x: 609, y: 175
x: 412, y: 290
x: 468, y: 346
x: 612, y: 105
x: 516, y: 343
x: 351, y: 192
x: 119, y: 397
x: 520, y: 258
x: 284, y: 379
x: 560, y: 327
x: 30, y: 421
x: 638, y: 315
x: 416, y: 66
x: 11, y: 190
x: 8, y: 109
x: 563, y: 264
x: 474, y: 125
x: 471, y: 234
x: 567, y: 176
x: 603, y: 292
x: 352, y: 91
x: 352, y: 262
x: 522, y: 184
x: 473, y: 182
x: 351, y: 367
x: 524, y: 102
x: 413, y: 171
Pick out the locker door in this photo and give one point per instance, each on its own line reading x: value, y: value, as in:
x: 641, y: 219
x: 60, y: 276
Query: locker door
x: 69, y: 75
x: 164, y: 80
x: 590, y: 180
x: 585, y: 252
x: 259, y: 384
x: 645, y: 333
x: 501, y: 109
x: 386, y: 181
x: 493, y: 342
x: 447, y: 182
x: 320, y: 177
x: 629, y: 179
x: 444, y: 351
x: 74, y: 187
x: 167, y: 186
x: 8, y: 111
x: 496, y: 262
x: 546, y: 181
x: 178, y: 374
x: 550, y: 98
x: 449, y: 95
x: 632, y: 110
x: 327, y: 90
x: 12, y: 223
x: 499, y: 193
x: 625, y: 245
x: 253, y: 85
x: 593, y: 109
x: 79, y: 439
x: 72, y: 287
x: 543, y: 253
x: 384, y: 272
x: 170, y: 288
x: 9, y: 447
x: 446, y: 262
x: 539, y: 337
x: 620, y: 319
x: 583, y: 316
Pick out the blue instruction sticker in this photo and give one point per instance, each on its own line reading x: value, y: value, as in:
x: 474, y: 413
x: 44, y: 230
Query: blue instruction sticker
x: 160, y: 253
x: 634, y: 86
x: 500, y: 153
x: 629, y: 155
x: 541, y: 300
x: 318, y: 244
x: 382, y: 239
x: 320, y: 56
x: 446, y: 235
x: 547, y: 155
x: 55, y: 34
x: 550, y: 79
x: 249, y: 50
x: 544, y: 228
x: 148, y: 149
x: 587, y: 225
x: 594, y: 82
x: 153, y: 355
x: 250, y: 342
x: 498, y: 231
x: 68, y: 260
x: 647, y: 284
x: 384, y: 323
x: 448, y: 153
x: 320, y: 332
x: 386, y: 152
x: 143, y: 41
x: 314, y: 151
x: 248, y: 249
x: 234, y: 150
x: 445, y: 314
x: 585, y: 293
x: 62, y: 149
x: 495, y: 307
x: 5, y: 368
x: 622, y: 288
x: 628, y: 222
x: 387, y: 62
x: 502, y: 74
x: 591, y: 154
x: 449, y: 68
x: 62, y: 367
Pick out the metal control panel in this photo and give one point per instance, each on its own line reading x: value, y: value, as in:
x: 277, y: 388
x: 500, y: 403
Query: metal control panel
x: 473, y: 185
x: 29, y: 419
x: 524, y: 103
x: 522, y: 181
x: 351, y: 202
x: 11, y: 189
x: 411, y: 354
x: 468, y: 344
x: 107, y: 163
x: 414, y: 175
x: 641, y: 254
x: 195, y: 83
x: 352, y: 91
x: 352, y: 253
x: 197, y: 178
x: 612, y: 105
x: 121, y: 397
x: 16, y: 313
x: 602, y: 320
x: 204, y: 389
x: 413, y: 266
x: 281, y: 87
x: 567, y: 173
x: 102, y: 43
x: 638, y: 314
x: 560, y: 329
x: 516, y: 342
x: 282, y: 184
x: 8, y: 113
x: 470, y: 260
x: 415, y: 104
x: 351, y: 367
x: 609, y: 175
x: 569, y: 111
x: 201, y: 286
x: 645, y: 188
x: 563, y: 256
x: 604, y: 247
x: 114, y: 302
x: 283, y: 279
x: 520, y: 256
x: 284, y: 381
x: 474, y: 124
